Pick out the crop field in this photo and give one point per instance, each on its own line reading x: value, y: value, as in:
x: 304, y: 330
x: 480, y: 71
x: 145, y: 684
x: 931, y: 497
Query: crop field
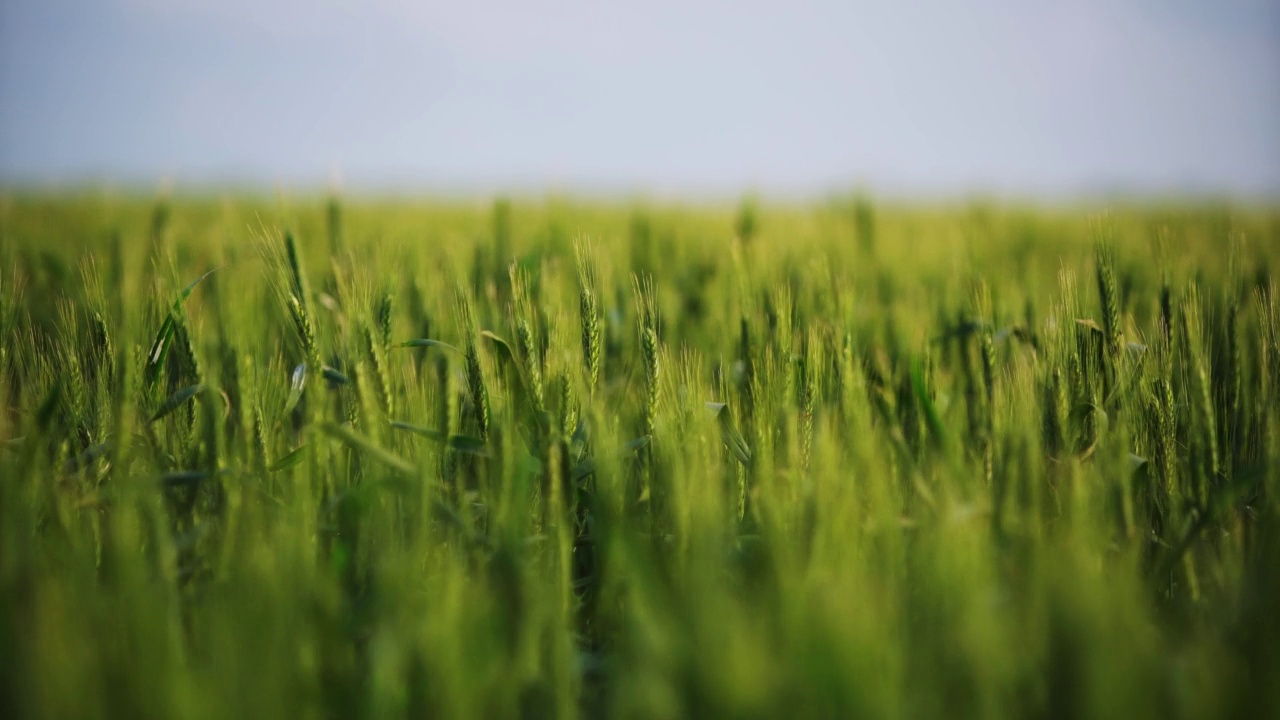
x: 319, y: 458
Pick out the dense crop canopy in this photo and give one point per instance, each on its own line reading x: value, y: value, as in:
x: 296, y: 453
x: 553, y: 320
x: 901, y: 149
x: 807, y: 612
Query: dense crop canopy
x: 557, y: 460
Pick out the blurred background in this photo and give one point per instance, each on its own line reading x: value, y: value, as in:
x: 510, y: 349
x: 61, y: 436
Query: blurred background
x: 1053, y: 99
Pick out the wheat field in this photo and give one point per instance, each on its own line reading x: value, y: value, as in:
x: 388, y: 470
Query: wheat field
x: 544, y: 458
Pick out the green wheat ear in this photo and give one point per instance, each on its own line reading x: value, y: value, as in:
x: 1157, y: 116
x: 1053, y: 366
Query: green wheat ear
x: 382, y: 313
x: 1207, y: 442
x: 589, y: 315
x: 533, y: 364
x: 647, y: 321
x: 1109, y: 297
x: 566, y: 409
x: 476, y: 387
x: 987, y: 352
x: 528, y: 346
x: 297, y: 273
x: 374, y: 352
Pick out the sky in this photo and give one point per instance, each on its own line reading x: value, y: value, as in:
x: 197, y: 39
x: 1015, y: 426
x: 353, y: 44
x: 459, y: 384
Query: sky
x: 1019, y: 97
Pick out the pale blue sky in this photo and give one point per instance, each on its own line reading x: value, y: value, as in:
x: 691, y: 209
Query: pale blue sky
x: 1018, y: 97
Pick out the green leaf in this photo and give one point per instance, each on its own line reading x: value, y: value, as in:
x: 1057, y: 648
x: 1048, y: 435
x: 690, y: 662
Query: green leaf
x: 468, y: 444
x: 506, y: 354
x: 86, y: 458
x: 176, y: 400
x: 292, y: 458
x: 186, y: 291
x: 583, y: 469
x: 426, y: 432
x: 334, y: 375
x: 729, y: 434
x: 429, y: 343
x: 1090, y: 325
x: 507, y: 362
x: 931, y: 416
x: 296, y: 385
x: 160, y: 346
x: 461, y: 443
x: 633, y: 445
x: 356, y: 441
